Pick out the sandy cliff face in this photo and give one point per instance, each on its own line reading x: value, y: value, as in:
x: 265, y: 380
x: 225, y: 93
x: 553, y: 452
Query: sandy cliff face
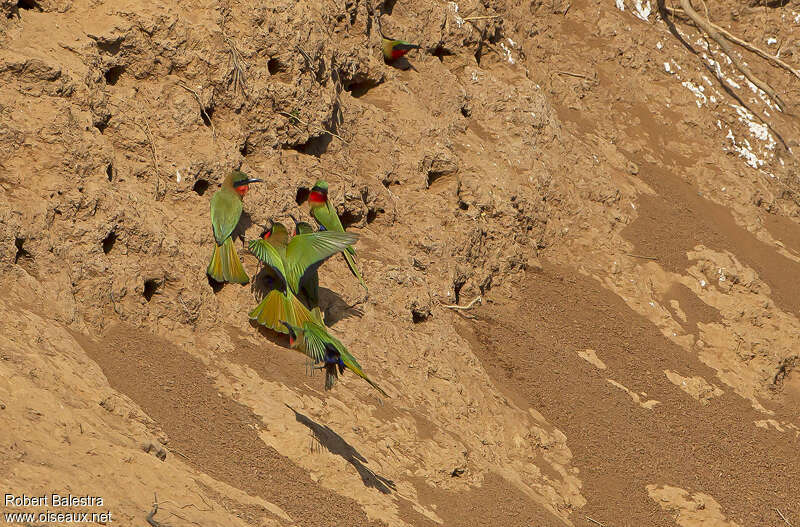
x: 576, y: 165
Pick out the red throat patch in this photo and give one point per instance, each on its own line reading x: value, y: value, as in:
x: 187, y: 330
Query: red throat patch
x: 317, y: 198
x: 267, y: 234
x: 397, y: 53
x: 242, y: 189
x: 291, y: 341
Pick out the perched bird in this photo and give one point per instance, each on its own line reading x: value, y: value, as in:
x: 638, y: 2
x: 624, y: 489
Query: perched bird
x: 226, y: 209
x: 289, y: 261
x: 309, y: 284
x: 326, y: 216
x: 394, y: 49
x: 314, y: 340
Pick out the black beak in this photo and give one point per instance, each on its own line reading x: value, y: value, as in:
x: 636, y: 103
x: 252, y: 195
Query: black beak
x: 250, y: 180
x: 294, y: 220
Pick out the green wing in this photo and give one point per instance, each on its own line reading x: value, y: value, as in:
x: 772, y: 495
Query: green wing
x: 265, y: 252
x: 327, y: 217
x: 314, y: 341
x: 226, y: 209
x: 307, y: 249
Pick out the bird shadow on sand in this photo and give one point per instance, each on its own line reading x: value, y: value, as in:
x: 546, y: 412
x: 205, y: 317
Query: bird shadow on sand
x: 279, y: 339
x: 335, y: 444
x: 334, y: 307
x: 402, y: 64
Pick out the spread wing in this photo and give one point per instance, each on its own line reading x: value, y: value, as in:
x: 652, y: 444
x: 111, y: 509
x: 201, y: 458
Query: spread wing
x: 314, y: 339
x: 226, y: 209
x: 265, y: 252
x: 305, y: 250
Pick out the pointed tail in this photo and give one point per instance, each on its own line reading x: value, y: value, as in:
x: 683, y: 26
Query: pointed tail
x: 225, y: 265
x: 277, y: 307
x: 351, y: 263
x: 331, y: 376
x: 352, y: 364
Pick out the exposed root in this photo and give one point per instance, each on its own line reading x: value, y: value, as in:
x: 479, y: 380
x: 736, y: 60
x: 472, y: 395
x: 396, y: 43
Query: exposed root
x: 236, y: 63
x: 202, y: 108
x: 294, y: 119
x: 475, y: 300
x: 151, y: 517
x: 722, y: 38
x: 783, y: 517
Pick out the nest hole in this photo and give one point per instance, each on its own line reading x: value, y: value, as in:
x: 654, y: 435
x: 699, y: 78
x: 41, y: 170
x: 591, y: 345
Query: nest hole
x: 302, y: 195
x: 206, y: 115
x: 113, y: 74
x: 276, y: 66
x: 200, y: 186
x: 315, y: 146
x: 372, y: 214
x: 21, y: 252
x: 102, y: 124
x: 29, y: 4
x: 108, y: 241
x: 150, y: 287
x: 110, y: 171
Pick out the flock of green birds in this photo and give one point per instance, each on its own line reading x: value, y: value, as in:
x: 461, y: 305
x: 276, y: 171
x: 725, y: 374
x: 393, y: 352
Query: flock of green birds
x: 292, y: 263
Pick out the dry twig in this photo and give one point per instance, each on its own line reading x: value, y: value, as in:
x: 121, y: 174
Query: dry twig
x: 745, y: 44
x: 150, y: 517
x: 722, y: 37
x: 149, y: 134
x: 202, y: 108
x: 477, y: 300
x: 236, y: 62
x: 296, y: 118
x: 640, y: 256
x: 783, y: 517
x: 594, y: 521
x: 579, y: 75
x: 487, y: 17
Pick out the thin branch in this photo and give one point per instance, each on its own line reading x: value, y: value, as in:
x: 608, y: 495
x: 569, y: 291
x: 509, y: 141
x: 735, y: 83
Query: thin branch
x: 202, y: 108
x: 642, y: 257
x: 580, y: 76
x: 295, y: 118
x: 721, y: 37
x: 149, y: 134
x: 150, y: 517
x: 487, y: 17
x: 236, y: 62
x: 594, y: 521
x: 477, y: 299
x: 783, y: 517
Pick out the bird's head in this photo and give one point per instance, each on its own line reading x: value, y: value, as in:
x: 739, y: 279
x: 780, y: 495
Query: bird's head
x: 294, y: 331
x: 319, y: 194
x: 301, y: 227
x: 267, y: 232
x: 240, y: 182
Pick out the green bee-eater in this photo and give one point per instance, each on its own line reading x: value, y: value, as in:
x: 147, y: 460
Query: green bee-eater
x: 309, y: 284
x: 226, y: 209
x: 394, y: 49
x: 314, y: 340
x: 326, y: 216
x: 289, y: 263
